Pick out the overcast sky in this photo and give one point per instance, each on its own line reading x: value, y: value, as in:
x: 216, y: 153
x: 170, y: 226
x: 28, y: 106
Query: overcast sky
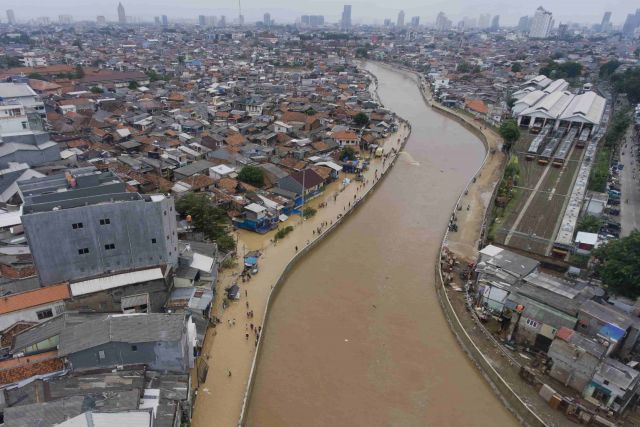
x: 369, y: 11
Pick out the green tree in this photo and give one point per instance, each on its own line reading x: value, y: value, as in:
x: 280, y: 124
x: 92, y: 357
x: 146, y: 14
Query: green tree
x: 509, y: 132
x: 207, y: 218
x: 310, y: 111
x: 361, y: 119
x: 252, y: 175
x: 133, y: 85
x: 463, y: 67
x: 589, y: 223
x: 629, y: 83
x: 516, y: 68
x: 37, y: 76
x: 96, y: 89
x: 362, y: 52
x: 308, y: 212
x: 619, y: 265
x: 608, y: 68
x: 347, y: 153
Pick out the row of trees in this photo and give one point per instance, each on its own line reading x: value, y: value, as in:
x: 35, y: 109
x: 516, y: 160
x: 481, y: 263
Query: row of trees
x: 564, y: 70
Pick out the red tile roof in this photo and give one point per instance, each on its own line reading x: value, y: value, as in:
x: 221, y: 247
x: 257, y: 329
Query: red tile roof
x: 34, y: 298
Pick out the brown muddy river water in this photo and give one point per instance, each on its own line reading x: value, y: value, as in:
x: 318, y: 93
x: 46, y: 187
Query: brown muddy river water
x: 356, y: 336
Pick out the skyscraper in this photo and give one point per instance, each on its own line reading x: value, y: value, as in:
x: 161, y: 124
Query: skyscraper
x: 11, y: 17
x: 65, y: 19
x: 442, y: 22
x: 165, y: 20
x: 523, y: 24
x: 631, y: 23
x: 345, y: 23
x: 415, y: 21
x: 541, y: 24
x: 266, y: 19
x: 202, y: 20
x: 400, y: 21
x: 495, y: 22
x: 101, y: 20
x: 484, y: 21
x: 606, y: 22
x: 122, y: 17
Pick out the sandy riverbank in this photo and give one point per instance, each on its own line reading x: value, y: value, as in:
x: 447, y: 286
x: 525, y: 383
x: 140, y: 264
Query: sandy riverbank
x: 220, y: 398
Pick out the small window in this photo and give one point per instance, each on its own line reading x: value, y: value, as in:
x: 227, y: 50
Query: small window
x: 44, y: 314
x: 101, y: 355
x: 76, y: 225
x: 24, y: 125
x: 109, y: 246
x: 606, y: 382
x: 105, y: 221
x: 83, y: 251
x: 165, y: 213
x: 134, y: 348
x: 153, y: 240
x: 532, y: 323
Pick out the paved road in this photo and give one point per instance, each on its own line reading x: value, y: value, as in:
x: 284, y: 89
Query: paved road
x: 630, y: 180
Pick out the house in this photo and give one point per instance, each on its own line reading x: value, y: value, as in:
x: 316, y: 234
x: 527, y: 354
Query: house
x: 476, y: 106
x: 346, y: 138
x: 306, y: 183
x: 614, y: 385
x: 281, y: 127
x: 34, y: 306
x: 160, y: 341
x: 575, y: 358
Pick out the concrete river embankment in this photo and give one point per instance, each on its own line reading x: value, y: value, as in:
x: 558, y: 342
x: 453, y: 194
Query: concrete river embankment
x: 356, y: 335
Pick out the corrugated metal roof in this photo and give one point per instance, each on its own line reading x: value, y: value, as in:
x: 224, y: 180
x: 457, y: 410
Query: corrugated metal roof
x: 129, y: 328
x: 115, y: 281
x: 138, y: 418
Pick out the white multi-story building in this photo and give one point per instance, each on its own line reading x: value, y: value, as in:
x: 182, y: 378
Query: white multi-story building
x: 541, y: 24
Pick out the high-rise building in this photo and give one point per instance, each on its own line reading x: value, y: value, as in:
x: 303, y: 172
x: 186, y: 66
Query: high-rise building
x: 484, y: 21
x: 442, y: 22
x: 101, y: 20
x: 345, y: 23
x: 387, y: 22
x: 631, y: 23
x: 495, y: 23
x: 202, y: 20
x: 541, y: 24
x: 11, y: 17
x: 266, y: 19
x: 563, y: 30
x: 122, y: 17
x: 523, y: 24
x: 415, y: 21
x: 156, y: 19
x: 605, y: 25
x: 400, y: 20
x: 65, y: 19
x: 165, y: 20
x: 100, y: 228
x: 316, y: 20
x: 43, y: 20
x: 222, y: 22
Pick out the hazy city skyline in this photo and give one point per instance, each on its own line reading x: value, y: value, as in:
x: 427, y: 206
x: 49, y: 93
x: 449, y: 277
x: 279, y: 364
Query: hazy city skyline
x: 363, y: 12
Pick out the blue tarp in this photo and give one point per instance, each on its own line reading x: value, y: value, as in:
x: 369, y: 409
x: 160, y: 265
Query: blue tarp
x: 612, y: 331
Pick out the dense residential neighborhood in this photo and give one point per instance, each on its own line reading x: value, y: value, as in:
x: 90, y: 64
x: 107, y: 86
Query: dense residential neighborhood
x: 137, y: 160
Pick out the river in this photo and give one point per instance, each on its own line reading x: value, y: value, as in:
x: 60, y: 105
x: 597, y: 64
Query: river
x: 356, y: 336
